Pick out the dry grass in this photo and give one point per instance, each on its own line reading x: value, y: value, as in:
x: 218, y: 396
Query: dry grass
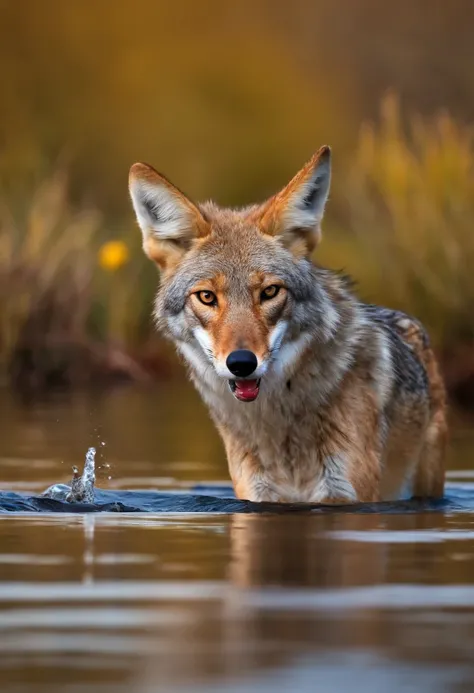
x: 64, y: 295
x: 72, y: 303
x: 409, y: 204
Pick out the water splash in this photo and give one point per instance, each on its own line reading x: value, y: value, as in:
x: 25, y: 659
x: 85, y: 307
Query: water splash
x: 81, y: 489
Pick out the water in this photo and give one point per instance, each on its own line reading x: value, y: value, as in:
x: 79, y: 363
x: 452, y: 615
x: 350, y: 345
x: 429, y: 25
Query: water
x: 80, y: 491
x: 82, y: 485
x: 192, y: 592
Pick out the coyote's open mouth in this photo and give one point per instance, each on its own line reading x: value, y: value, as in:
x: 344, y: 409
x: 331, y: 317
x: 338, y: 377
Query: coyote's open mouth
x: 245, y: 390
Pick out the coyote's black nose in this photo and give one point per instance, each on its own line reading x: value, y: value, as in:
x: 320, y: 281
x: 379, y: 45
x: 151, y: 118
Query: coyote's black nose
x: 242, y: 362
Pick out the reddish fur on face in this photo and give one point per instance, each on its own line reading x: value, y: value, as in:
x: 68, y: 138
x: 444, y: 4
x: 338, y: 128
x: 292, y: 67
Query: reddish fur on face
x: 245, y: 324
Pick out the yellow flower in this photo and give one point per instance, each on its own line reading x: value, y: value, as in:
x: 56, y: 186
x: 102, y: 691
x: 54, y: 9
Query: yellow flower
x: 113, y: 255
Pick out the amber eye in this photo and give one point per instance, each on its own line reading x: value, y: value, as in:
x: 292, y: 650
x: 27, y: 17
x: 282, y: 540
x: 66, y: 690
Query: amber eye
x: 269, y: 292
x: 207, y: 297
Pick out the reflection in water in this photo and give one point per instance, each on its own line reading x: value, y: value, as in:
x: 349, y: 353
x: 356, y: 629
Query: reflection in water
x: 287, y: 551
x: 216, y: 603
x: 298, y: 550
x: 232, y: 598
x: 299, y: 602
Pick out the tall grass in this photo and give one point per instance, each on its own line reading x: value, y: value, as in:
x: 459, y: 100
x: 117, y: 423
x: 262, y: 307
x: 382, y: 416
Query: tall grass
x: 408, y: 201
x: 65, y: 294
x: 76, y: 293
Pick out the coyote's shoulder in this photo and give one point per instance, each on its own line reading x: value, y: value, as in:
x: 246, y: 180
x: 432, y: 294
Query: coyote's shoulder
x: 318, y: 397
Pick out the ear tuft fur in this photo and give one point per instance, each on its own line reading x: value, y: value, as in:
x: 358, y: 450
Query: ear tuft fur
x: 295, y: 213
x: 167, y: 218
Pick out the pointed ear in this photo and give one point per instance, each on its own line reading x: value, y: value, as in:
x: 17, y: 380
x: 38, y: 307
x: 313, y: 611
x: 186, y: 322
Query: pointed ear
x: 168, y: 219
x: 294, y: 214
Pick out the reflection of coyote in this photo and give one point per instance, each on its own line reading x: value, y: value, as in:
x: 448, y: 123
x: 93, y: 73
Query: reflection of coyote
x: 318, y: 396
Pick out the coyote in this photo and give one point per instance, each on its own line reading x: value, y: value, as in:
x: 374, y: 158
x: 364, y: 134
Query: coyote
x: 318, y: 397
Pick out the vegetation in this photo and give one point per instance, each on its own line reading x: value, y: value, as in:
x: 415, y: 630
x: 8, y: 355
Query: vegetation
x: 70, y: 303
x: 228, y: 101
x: 408, y: 205
x: 76, y: 298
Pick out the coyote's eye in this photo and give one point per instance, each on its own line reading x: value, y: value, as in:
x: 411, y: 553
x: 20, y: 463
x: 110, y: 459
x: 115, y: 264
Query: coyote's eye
x: 269, y: 292
x: 207, y: 297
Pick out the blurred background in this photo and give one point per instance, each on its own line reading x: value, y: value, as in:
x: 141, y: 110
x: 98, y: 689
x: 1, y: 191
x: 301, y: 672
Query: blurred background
x: 228, y: 100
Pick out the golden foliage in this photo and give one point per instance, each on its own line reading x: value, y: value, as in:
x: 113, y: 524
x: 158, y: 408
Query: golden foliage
x: 410, y: 202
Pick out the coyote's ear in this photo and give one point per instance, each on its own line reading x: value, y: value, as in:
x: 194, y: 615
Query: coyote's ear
x: 168, y: 220
x: 295, y: 213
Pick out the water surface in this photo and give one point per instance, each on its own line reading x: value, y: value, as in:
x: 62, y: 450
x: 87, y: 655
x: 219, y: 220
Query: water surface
x: 225, y: 602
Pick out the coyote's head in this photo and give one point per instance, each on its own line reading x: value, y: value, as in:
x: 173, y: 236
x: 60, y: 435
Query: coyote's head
x: 239, y: 294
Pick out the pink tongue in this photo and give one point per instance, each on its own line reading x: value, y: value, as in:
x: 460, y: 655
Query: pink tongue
x: 246, y: 388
